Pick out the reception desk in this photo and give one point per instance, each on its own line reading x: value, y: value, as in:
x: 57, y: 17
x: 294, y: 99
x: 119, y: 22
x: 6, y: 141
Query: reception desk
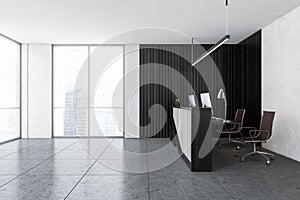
x: 193, y: 132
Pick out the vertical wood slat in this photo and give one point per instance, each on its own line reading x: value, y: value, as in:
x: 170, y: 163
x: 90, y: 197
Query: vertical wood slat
x: 250, y: 63
x: 240, y: 67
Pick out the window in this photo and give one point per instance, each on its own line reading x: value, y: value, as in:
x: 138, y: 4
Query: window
x: 70, y: 98
x: 88, y: 90
x: 9, y: 89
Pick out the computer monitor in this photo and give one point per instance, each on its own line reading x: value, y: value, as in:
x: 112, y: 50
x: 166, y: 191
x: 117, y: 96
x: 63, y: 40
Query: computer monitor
x: 192, y: 100
x: 205, y: 100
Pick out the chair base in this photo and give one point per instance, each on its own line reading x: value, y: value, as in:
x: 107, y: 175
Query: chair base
x: 229, y: 141
x: 261, y: 153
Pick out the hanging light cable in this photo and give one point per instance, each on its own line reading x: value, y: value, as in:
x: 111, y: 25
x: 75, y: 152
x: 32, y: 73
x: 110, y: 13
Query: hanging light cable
x: 226, y: 17
x: 220, y: 42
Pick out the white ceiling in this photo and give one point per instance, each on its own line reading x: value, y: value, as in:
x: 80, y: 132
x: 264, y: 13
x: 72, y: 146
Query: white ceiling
x: 96, y: 21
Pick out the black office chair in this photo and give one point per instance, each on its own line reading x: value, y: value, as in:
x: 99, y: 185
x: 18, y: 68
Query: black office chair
x: 262, y: 135
x: 233, y: 127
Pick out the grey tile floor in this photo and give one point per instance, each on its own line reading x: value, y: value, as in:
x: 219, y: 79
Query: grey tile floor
x: 103, y: 169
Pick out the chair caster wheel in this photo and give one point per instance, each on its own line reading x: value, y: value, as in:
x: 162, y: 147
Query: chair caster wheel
x: 273, y: 158
x: 268, y: 162
x: 242, y: 159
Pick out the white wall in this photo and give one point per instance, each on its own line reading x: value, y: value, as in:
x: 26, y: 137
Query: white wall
x: 131, y: 93
x: 36, y: 93
x: 281, y: 72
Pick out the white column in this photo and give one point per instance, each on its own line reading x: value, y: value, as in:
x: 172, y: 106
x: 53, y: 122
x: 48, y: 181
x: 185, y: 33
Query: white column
x: 24, y: 74
x: 131, y: 93
x: 39, y: 84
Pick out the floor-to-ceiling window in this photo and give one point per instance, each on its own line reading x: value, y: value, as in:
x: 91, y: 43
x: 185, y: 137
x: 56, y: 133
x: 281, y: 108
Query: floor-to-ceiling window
x: 70, y: 100
x: 9, y: 89
x: 88, y: 90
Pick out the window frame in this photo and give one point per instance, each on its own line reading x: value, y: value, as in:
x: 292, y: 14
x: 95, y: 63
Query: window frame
x: 20, y: 88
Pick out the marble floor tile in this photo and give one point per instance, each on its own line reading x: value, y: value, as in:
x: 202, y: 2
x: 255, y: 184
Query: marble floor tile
x: 57, y: 144
x: 155, y: 144
x: 6, y: 178
x: 31, y: 154
x: 176, y: 167
x: 122, y: 155
x: 101, y: 169
x: 95, y: 142
x: 80, y: 145
x: 163, y: 158
x: 183, y: 186
x: 111, y: 167
x: 129, y: 145
x: 11, y: 167
x: 79, y: 154
x: 34, y: 187
x: 62, y: 167
x: 116, y: 187
x: 17, y: 144
x: 119, y: 167
x: 5, y: 152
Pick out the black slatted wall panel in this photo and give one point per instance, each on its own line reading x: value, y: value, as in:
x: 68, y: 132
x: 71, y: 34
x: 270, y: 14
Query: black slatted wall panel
x: 239, y: 66
x: 250, y: 65
x: 151, y: 94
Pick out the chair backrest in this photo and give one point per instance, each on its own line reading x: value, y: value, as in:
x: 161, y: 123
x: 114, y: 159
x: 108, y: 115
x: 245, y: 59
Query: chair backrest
x: 239, y: 117
x: 266, y: 123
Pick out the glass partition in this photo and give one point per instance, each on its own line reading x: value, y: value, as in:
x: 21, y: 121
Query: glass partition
x: 9, y: 89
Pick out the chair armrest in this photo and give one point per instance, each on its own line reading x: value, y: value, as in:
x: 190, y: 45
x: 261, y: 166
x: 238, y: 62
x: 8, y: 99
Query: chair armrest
x: 245, y: 127
x: 249, y: 127
x: 233, y: 123
x: 259, y: 133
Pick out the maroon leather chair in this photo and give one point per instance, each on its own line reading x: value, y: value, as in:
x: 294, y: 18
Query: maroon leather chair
x: 232, y: 127
x: 261, y: 136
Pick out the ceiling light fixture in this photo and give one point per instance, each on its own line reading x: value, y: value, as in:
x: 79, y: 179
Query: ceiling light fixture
x: 220, y: 42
